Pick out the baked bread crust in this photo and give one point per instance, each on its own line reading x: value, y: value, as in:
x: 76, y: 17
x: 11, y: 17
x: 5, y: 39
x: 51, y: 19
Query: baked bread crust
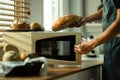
x: 64, y: 22
x: 20, y: 25
x: 36, y: 26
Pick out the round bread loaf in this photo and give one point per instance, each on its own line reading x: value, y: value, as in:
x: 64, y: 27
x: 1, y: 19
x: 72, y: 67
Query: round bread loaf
x: 10, y: 47
x: 23, y: 56
x: 11, y: 56
x: 20, y: 25
x: 36, y: 26
x: 64, y: 21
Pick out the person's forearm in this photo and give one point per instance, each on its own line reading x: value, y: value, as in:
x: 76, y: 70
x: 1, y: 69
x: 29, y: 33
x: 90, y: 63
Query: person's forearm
x: 95, y: 16
x: 110, y: 32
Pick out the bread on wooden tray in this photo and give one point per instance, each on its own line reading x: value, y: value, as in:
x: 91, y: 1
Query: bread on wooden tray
x: 64, y: 21
x: 20, y: 25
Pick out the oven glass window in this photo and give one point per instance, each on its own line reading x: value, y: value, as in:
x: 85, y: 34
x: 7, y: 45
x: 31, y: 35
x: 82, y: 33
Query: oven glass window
x: 55, y: 48
x: 61, y: 48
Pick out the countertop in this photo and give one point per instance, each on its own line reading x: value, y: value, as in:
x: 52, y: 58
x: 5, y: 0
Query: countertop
x: 57, y: 72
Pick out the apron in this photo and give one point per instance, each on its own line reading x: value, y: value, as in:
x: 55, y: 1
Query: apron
x: 111, y: 67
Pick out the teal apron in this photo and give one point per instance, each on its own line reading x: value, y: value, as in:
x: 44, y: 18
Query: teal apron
x: 111, y: 67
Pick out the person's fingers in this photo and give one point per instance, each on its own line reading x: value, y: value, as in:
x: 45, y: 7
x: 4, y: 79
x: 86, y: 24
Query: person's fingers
x: 78, y: 50
x: 75, y: 24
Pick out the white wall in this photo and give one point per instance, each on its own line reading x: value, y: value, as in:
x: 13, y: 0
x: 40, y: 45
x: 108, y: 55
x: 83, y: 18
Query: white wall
x: 63, y: 7
x: 76, y: 7
x: 36, y: 11
x: 90, y: 6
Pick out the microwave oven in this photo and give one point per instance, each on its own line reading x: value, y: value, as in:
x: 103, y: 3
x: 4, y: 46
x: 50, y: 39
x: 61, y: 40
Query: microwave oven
x: 57, y: 47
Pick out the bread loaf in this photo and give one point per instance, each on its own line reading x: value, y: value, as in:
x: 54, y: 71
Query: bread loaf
x: 36, y: 26
x: 23, y: 56
x: 10, y: 47
x: 64, y: 21
x: 11, y: 56
x: 20, y: 25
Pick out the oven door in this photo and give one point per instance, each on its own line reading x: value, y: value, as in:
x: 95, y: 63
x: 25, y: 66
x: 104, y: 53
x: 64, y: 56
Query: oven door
x: 61, y: 48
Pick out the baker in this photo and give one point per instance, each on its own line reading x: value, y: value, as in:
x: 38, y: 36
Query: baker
x: 110, y: 15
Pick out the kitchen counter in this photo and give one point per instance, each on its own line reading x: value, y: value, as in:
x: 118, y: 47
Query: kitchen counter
x: 60, y: 71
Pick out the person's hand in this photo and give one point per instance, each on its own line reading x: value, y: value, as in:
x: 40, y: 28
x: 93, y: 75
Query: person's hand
x: 84, y: 47
x: 79, y: 23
